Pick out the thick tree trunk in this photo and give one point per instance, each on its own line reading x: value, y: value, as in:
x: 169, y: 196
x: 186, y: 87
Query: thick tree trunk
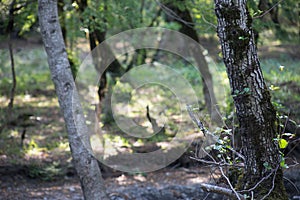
x: 255, y: 112
x: 86, y: 165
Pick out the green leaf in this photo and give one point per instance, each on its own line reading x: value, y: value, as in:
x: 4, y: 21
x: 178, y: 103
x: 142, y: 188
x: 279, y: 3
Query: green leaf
x: 220, y: 55
x: 274, y: 88
x: 267, y: 166
x: 246, y: 90
x: 283, y: 164
x: 282, y: 143
x: 243, y: 38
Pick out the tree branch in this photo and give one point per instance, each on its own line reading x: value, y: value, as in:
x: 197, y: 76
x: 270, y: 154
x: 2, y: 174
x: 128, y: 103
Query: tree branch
x: 266, y: 12
x: 221, y: 164
x: 196, y: 120
x: 221, y: 190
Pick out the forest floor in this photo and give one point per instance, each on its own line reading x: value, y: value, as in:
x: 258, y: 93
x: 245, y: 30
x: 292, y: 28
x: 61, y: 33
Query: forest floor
x: 40, y: 167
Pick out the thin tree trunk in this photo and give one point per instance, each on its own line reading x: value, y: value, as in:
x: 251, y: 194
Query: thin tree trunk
x: 255, y: 113
x: 86, y: 165
x: 13, y: 73
x: 9, y: 30
x: 115, y: 69
x: 187, y: 27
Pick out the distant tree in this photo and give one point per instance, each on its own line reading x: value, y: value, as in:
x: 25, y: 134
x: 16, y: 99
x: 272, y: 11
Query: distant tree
x: 86, y: 165
x: 9, y: 31
x: 182, y: 15
x: 12, y: 25
x: 262, y: 178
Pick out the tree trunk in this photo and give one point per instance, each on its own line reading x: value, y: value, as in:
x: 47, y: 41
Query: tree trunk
x: 255, y: 113
x: 187, y: 28
x: 86, y: 165
x: 9, y: 30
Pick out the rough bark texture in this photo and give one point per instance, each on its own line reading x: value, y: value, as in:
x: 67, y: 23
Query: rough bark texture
x: 86, y: 165
x: 255, y: 112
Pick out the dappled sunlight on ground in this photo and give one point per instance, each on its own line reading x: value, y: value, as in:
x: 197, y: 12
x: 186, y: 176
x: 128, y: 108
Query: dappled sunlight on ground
x: 39, y: 166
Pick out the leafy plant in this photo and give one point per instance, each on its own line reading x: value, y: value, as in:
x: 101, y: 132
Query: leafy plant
x: 46, y: 172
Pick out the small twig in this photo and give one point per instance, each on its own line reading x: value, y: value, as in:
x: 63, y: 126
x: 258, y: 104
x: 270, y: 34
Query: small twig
x: 295, y: 163
x: 293, y: 184
x: 257, y: 184
x: 230, y: 185
x: 206, y: 196
x: 217, y: 163
x: 269, y: 10
x: 297, y: 141
x: 172, y: 14
x: 209, y: 23
x: 237, y: 153
x: 210, y: 156
x: 273, y: 184
x: 196, y: 120
x: 236, y: 194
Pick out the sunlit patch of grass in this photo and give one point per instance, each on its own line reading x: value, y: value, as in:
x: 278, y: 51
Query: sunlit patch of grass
x: 283, y: 79
x: 40, y: 101
x: 281, y: 70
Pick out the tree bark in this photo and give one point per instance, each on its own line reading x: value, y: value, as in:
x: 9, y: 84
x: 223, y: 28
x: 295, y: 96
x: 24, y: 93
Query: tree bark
x: 86, y: 165
x: 255, y: 113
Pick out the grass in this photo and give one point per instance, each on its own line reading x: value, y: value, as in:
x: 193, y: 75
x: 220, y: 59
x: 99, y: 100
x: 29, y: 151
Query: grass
x: 283, y: 78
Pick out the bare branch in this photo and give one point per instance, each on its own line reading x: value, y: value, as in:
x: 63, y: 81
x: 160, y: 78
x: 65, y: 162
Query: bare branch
x: 217, y: 163
x: 196, y: 120
x: 209, y: 23
x: 266, y: 12
x: 259, y: 182
x: 236, y: 153
x: 293, y: 184
x: 172, y: 14
x: 230, y: 185
x: 273, y: 185
x: 221, y: 190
